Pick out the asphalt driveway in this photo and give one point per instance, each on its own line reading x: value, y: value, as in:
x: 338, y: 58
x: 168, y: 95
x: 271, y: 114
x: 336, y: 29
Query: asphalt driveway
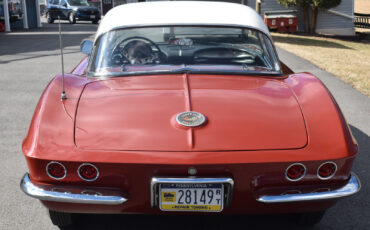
x: 28, y: 60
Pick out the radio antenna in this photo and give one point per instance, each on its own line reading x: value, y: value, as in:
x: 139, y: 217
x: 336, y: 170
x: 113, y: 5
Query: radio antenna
x: 63, y: 96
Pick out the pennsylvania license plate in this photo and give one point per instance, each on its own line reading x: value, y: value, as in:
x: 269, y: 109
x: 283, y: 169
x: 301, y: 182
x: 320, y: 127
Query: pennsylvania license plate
x: 191, y: 197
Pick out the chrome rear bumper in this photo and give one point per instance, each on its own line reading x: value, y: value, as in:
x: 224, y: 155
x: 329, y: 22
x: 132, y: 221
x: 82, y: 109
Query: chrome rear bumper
x: 58, y: 194
x: 352, y: 187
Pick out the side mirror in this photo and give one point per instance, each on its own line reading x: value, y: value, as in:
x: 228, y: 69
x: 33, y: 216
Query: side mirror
x: 86, y: 47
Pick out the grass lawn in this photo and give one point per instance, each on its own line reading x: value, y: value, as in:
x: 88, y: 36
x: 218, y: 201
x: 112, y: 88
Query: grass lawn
x: 348, y: 60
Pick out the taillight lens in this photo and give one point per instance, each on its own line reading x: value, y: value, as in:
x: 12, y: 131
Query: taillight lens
x: 326, y: 170
x: 56, y: 170
x: 88, y: 172
x: 295, y: 172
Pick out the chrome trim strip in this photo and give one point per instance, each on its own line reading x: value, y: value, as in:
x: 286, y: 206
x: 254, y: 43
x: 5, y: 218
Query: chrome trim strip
x: 184, y: 70
x: 37, y: 192
x: 352, y: 187
x: 191, y: 180
x: 56, y: 178
x: 329, y: 177
x: 82, y: 178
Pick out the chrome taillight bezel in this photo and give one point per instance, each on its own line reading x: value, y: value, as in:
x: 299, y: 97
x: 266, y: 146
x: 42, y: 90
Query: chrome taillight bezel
x: 331, y: 176
x: 89, y: 180
x: 53, y: 177
x: 299, y: 178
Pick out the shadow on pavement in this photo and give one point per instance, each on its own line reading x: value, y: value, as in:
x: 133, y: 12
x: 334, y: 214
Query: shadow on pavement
x: 308, y: 42
x: 41, y: 39
x: 361, y: 168
x: 184, y: 222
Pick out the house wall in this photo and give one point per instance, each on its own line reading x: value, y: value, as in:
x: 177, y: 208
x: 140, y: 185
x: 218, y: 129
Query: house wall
x: 326, y: 23
x: 334, y: 24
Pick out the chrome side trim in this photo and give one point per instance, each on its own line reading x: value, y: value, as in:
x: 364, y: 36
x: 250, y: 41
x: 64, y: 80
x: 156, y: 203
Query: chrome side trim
x: 66, y: 196
x: 352, y: 187
x: 228, y: 182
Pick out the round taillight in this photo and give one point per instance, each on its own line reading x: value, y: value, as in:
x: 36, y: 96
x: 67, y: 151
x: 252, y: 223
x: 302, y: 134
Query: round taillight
x: 56, y: 170
x: 88, y: 172
x: 295, y: 172
x: 326, y: 170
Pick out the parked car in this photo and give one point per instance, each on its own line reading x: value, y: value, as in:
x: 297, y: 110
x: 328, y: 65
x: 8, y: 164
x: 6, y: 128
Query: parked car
x: 187, y: 112
x: 15, y: 10
x: 71, y: 10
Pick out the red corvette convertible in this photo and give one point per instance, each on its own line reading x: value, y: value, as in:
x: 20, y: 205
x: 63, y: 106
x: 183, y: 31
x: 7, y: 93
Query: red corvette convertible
x: 185, y: 106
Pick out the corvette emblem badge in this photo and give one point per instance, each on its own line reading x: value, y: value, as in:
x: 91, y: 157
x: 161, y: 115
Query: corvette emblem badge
x: 190, y: 119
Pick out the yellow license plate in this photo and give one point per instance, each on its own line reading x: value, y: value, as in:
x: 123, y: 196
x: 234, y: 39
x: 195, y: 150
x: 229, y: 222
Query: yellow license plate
x: 191, y: 197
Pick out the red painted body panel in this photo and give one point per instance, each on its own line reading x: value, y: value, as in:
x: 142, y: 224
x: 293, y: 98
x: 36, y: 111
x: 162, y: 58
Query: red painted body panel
x: 254, y: 169
x: 243, y: 113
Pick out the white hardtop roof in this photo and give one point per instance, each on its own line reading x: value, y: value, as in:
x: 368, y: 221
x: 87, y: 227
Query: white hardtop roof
x: 164, y: 13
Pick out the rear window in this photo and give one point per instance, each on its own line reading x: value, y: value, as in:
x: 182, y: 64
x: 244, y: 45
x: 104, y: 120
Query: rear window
x: 200, y: 48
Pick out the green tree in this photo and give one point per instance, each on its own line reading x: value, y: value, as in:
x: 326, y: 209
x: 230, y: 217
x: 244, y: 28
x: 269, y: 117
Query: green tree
x: 322, y: 5
x: 304, y: 4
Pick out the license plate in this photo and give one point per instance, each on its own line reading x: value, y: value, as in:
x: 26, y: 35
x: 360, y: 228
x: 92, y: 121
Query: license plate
x: 191, y: 197
x: 92, y: 16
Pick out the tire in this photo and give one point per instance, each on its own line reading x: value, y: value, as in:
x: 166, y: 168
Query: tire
x: 49, y: 18
x: 61, y: 219
x: 310, y: 218
x: 71, y: 18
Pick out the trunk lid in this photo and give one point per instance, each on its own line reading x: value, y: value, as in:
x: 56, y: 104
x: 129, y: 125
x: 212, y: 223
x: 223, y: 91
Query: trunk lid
x: 139, y: 114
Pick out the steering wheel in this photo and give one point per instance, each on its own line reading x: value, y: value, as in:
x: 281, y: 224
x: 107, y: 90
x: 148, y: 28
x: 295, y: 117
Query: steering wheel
x: 137, y: 50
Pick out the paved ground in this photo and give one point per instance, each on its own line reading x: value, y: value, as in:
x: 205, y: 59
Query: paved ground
x: 29, y: 60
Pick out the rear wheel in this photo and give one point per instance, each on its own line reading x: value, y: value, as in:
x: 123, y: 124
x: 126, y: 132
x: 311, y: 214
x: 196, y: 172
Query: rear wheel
x: 49, y: 18
x: 61, y: 219
x: 71, y: 18
x: 310, y: 218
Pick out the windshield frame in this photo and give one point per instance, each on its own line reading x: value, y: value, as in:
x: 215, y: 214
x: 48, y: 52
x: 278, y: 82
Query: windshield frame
x: 93, y: 55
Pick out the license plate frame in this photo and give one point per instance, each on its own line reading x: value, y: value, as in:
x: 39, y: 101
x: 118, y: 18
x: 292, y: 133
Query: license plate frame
x: 177, y: 202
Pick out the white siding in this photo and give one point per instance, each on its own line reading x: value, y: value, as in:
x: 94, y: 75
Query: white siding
x: 327, y: 22
x: 330, y: 23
